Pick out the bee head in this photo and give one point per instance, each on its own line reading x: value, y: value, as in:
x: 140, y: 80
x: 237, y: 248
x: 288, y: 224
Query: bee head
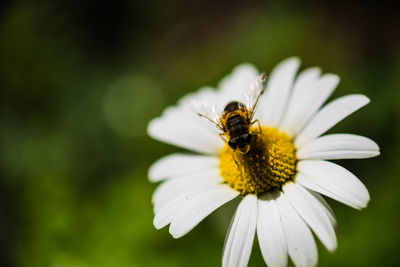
x: 242, y: 143
x: 244, y: 149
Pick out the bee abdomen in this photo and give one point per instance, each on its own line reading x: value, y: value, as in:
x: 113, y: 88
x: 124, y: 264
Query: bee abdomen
x: 233, y: 106
x: 235, y: 120
x: 236, y: 126
x: 238, y: 131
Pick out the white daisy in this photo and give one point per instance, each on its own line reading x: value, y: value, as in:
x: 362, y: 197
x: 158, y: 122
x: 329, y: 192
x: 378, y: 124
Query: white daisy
x: 279, y: 181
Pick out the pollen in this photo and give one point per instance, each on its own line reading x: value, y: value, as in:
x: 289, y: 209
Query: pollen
x: 269, y: 164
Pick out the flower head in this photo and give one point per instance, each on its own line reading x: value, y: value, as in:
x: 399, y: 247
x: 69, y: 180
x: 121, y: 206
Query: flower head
x: 279, y: 175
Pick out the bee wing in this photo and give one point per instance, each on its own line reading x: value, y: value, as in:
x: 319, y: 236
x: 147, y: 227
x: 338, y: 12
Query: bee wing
x: 207, y: 111
x: 254, y: 93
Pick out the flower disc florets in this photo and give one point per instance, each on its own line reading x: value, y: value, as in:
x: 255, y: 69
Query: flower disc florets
x: 270, y: 163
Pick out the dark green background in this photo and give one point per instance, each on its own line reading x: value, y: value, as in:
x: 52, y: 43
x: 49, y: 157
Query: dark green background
x: 81, y: 79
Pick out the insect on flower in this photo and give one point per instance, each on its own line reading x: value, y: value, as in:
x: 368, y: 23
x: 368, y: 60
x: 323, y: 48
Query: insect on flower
x: 237, y: 118
x: 273, y: 155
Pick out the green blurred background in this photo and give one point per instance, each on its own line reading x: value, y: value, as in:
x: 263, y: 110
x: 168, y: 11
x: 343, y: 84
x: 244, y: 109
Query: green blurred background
x: 80, y: 80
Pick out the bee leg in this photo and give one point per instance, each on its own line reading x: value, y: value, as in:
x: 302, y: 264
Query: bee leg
x: 223, y: 137
x: 234, y: 158
x: 259, y: 126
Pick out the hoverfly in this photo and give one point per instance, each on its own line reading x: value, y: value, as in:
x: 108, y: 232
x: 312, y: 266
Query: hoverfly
x: 236, y: 118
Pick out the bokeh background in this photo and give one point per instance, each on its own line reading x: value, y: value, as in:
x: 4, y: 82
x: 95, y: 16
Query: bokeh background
x: 80, y: 80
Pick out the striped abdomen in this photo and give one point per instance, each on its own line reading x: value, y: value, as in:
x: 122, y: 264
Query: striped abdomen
x: 237, y: 126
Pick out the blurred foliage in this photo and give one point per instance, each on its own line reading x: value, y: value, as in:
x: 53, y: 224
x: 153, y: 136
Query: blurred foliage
x: 80, y: 81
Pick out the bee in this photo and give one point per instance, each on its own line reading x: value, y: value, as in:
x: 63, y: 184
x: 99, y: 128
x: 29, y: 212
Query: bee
x: 237, y: 118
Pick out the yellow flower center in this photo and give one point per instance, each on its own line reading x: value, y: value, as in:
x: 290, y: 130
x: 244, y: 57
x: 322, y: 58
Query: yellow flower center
x: 270, y: 163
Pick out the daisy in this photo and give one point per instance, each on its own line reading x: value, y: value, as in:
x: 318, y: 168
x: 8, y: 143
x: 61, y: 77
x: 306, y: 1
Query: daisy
x: 280, y: 180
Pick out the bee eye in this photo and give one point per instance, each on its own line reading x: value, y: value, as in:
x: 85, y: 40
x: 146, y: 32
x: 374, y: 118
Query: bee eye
x: 242, y: 145
x: 250, y: 138
x: 233, y: 143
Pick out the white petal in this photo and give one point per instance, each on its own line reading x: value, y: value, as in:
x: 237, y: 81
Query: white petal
x: 302, y: 89
x: 165, y: 214
x: 307, y: 102
x: 333, y: 181
x: 279, y: 84
x: 312, y: 212
x: 327, y: 209
x: 170, y: 189
x: 300, y: 241
x: 330, y: 115
x: 305, y: 181
x: 198, y: 207
x: 176, y: 165
x: 241, y: 234
x: 181, y: 126
x: 270, y: 233
x: 207, y: 94
x: 172, y: 195
x: 229, y: 240
x: 233, y: 86
x: 339, y: 146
